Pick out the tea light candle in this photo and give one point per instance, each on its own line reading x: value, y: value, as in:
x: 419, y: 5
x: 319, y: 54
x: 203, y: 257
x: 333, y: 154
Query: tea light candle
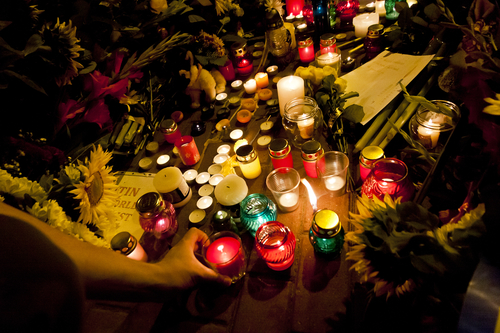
x: 266, y: 127
x: 248, y: 104
x: 220, y: 158
x: 299, y: 16
x: 145, y: 163
x: 265, y: 94
x: 214, y: 168
x: 152, y: 147
x: 302, y: 27
x: 162, y: 161
x: 215, y: 179
x: 197, y: 216
x: 250, y: 86
x: 257, y: 54
x: 236, y: 134
x: 204, y: 202
x: 262, y: 80
x: 237, y: 84
x: 329, y: 59
x: 264, y: 141
x: 221, y: 98
x: 190, y: 176
x: 234, y: 101
x: 428, y: 136
x: 362, y: 22
x: 202, y: 178
x: 205, y: 190
x: 289, y: 199
x: 289, y: 87
x: 306, y: 128
x: 272, y: 70
x: 290, y: 18
x: 334, y: 183
x: 244, y: 116
x: 223, y: 149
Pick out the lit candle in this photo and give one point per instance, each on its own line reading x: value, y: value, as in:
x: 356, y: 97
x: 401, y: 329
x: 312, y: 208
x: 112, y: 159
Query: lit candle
x: 162, y: 161
x: 302, y: 27
x: 223, y: 149
x: 380, y: 8
x: 261, y: 80
x: 294, y: 7
x: 428, y: 136
x: 220, y: 158
x: 226, y: 256
x: 204, y: 202
x: 299, y: 16
x: 306, y: 128
x: 290, y: 18
x: 237, y: 84
x: 289, y: 87
x: 289, y: 200
x: 362, y: 22
x: 306, y: 50
x: 215, y: 179
x: 188, y: 151
x: 272, y: 70
x: 275, y: 243
x: 221, y: 98
x: 334, y: 183
x: 202, y: 178
x: 250, y: 86
x: 236, y: 134
x: 329, y: 59
x: 190, y: 176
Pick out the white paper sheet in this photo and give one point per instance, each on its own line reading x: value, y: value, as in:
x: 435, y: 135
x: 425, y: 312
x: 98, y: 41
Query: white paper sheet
x: 377, y: 80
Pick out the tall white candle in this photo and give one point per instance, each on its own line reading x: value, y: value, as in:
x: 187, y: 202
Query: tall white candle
x: 380, y: 8
x: 362, y: 22
x: 289, y: 87
x: 334, y: 183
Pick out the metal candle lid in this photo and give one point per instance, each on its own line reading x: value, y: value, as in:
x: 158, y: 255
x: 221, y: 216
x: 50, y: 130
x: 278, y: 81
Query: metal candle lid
x: 326, y: 223
x: 306, y: 42
x: 327, y: 39
x: 124, y: 243
x: 375, y: 30
x: 246, y: 153
x: 311, y: 150
x: 168, y: 126
x: 149, y: 204
x: 279, y: 148
x: 239, y: 49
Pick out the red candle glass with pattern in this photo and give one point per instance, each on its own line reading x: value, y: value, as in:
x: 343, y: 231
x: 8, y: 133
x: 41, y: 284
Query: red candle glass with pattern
x: 275, y: 244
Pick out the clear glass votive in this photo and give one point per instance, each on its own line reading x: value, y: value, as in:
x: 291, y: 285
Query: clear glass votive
x: 332, y: 169
x: 284, y: 184
x: 224, y: 253
x: 275, y: 244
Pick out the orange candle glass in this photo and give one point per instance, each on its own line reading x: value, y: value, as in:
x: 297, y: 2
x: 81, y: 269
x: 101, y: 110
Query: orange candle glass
x: 265, y: 94
x: 248, y: 104
x: 262, y: 80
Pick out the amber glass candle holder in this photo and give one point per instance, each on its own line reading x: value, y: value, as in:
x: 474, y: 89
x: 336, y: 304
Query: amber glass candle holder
x: 275, y: 244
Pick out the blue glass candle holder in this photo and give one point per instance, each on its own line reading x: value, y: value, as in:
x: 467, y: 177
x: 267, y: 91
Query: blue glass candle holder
x: 326, y: 233
x: 256, y: 209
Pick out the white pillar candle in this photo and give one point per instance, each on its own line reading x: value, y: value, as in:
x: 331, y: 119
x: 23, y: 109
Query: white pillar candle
x: 289, y: 87
x: 334, y: 183
x: 250, y: 86
x: 380, y: 8
x: 289, y: 199
x: 362, y: 22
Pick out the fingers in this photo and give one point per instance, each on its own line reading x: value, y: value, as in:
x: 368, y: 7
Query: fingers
x: 195, y: 238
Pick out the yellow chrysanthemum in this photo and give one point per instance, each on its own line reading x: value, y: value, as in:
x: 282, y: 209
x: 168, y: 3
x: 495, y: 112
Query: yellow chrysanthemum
x: 64, y: 46
x: 494, y: 107
x: 97, y: 191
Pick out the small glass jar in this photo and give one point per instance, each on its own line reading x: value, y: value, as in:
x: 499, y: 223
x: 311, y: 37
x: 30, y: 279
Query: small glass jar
x: 188, y: 151
x: 347, y: 10
x: 256, y: 209
x: 242, y: 59
x: 368, y: 156
x: 294, y: 7
x: 326, y: 234
x: 275, y: 244
x: 227, y: 70
x: 306, y: 50
x: 156, y: 215
x: 170, y: 131
x: 126, y: 244
x: 303, y: 120
x: 311, y: 151
x: 328, y: 43
x: 280, y: 153
x: 430, y: 128
x: 389, y: 176
x: 308, y: 13
x: 248, y: 161
x: 374, y: 41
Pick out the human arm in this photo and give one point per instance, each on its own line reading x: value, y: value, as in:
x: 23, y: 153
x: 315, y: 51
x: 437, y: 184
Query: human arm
x: 107, y: 274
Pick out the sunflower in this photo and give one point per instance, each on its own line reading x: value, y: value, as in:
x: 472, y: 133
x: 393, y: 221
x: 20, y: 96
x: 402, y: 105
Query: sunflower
x: 96, y: 192
x: 64, y: 48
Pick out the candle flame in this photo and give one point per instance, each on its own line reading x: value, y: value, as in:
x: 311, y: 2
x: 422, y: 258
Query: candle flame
x: 312, y: 196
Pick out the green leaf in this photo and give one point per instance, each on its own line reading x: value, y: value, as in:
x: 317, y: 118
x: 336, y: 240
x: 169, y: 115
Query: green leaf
x: 225, y: 20
x: 328, y: 82
x: 89, y: 68
x: 195, y: 18
x: 26, y: 80
x: 354, y: 113
x: 415, y: 144
x: 32, y: 44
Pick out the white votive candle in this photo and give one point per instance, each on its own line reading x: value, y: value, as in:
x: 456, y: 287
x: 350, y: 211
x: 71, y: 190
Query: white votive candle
x: 289, y: 200
x: 334, y: 183
x: 362, y: 22
x: 237, y: 84
x: 205, y: 190
x: 289, y: 87
x: 204, y: 202
x: 429, y: 136
x: 306, y: 128
x: 162, y: 161
x: 215, y: 179
x: 236, y: 134
x: 202, y: 178
x: 221, y: 98
x: 220, y: 158
x: 250, y: 86
x: 223, y: 149
x: 190, y: 176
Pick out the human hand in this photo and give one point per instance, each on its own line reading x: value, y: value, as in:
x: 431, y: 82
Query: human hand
x: 182, y: 267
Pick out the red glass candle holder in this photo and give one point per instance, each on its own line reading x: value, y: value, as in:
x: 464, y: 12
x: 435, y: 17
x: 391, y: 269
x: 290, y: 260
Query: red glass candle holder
x: 308, y: 13
x: 275, y: 244
x: 347, y: 10
x: 306, y: 50
x: 224, y: 253
x: 294, y: 7
x: 280, y: 153
x: 188, y: 151
x: 328, y: 43
x: 389, y: 176
x: 242, y: 60
x: 227, y: 70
